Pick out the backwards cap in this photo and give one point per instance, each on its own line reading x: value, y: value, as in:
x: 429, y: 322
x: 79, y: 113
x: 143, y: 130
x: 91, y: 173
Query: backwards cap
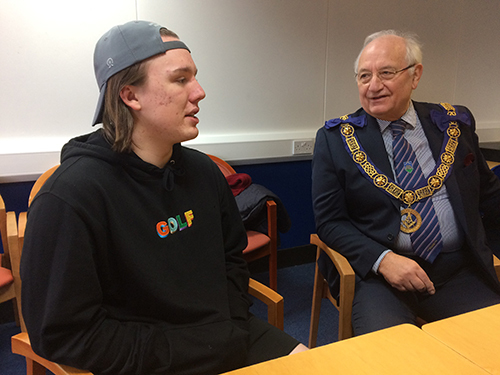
x: 124, y: 46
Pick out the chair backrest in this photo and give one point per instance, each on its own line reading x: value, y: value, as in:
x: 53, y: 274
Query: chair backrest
x: 15, y: 239
x: 259, y: 244
x: 6, y: 275
x: 40, y: 181
x: 20, y: 342
x: 225, y: 168
x: 15, y: 249
x: 9, y: 275
x: 321, y: 290
x: 3, y: 232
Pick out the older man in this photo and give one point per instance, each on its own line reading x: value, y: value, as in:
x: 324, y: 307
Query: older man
x: 401, y: 189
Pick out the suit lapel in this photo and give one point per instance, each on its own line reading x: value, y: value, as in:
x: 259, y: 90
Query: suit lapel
x: 434, y: 135
x: 371, y: 139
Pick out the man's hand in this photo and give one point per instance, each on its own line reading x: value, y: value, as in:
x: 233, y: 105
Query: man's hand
x: 405, y: 274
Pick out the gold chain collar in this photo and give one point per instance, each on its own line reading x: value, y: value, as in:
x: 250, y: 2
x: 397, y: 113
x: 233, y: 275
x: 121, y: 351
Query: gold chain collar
x: 434, y: 182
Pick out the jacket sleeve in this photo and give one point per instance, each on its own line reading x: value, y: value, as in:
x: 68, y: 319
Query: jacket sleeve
x: 490, y: 209
x: 489, y: 191
x: 333, y: 220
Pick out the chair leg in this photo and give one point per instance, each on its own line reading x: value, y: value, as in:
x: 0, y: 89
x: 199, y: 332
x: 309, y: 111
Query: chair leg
x: 316, y: 308
x: 16, y: 312
x: 34, y: 368
x: 273, y: 271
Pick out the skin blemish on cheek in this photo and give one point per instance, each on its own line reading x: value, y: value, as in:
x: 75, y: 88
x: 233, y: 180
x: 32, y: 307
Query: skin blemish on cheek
x: 165, y: 100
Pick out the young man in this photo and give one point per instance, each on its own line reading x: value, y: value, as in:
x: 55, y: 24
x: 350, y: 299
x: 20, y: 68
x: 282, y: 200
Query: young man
x: 132, y: 258
x: 414, y: 214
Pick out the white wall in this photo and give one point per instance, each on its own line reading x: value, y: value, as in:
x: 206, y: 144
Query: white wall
x: 273, y: 70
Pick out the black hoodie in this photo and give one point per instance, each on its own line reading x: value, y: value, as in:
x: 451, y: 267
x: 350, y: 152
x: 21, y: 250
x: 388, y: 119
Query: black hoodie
x: 132, y: 269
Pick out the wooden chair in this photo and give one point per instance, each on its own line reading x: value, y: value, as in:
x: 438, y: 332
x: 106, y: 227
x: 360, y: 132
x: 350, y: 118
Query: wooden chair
x: 36, y: 365
x: 15, y: 246
x: 3, y: 229
x: 496, y: 264
x: 7, y: 286
x: 259, y: 244
x: 321, y: 290
x: 347, y: 285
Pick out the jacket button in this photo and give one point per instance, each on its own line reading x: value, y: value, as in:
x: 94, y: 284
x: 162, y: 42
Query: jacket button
x: 390, y: 237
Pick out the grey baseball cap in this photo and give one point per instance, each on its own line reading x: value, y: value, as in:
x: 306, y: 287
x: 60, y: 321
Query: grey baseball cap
x: 124, y: 46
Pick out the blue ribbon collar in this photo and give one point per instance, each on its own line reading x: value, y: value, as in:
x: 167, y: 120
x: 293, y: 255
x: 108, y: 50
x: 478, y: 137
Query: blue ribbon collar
x: 442, y: 118
x: 359, y: 121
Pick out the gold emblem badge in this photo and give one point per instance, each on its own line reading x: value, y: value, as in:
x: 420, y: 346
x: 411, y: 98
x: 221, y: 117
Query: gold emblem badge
x: 380, y: 180
x: 447, y: 158
x: 454, y: 132
x: 435, y: 182
x: 408, y: 197
x: 449, y: 108
x: 347, y: 130
x: 410, y: 220
x: 359, y: 157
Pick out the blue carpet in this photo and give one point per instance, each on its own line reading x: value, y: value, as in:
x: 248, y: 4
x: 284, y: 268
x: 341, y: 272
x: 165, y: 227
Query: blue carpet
x: 10, y: 364
x: 295, y: 284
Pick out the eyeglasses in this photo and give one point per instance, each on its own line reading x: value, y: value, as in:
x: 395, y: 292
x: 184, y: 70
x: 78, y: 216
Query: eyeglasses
x: 383, y: 75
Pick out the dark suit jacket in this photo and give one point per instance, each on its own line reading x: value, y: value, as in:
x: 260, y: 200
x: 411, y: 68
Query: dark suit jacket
x: 360, y: 220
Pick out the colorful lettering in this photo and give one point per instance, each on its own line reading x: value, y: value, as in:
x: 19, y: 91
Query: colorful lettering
x: 189, y: 217
x: 181, y: 224
x: 162, y: 229
x: 172, y: 225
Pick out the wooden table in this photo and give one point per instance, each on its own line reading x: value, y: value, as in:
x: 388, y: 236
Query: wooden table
x: 475, y: 335
x: 403, y: 349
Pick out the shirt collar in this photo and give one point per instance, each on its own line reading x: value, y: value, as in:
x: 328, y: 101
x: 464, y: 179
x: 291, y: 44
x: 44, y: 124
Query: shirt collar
x: 409, y: 117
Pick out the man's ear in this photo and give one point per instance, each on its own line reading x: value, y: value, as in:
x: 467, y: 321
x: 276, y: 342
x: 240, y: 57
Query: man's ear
x: 129, y: 97
x: 417, y: 74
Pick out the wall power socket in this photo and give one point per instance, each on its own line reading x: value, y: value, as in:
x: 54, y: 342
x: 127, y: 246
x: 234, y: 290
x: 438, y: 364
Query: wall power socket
x: 302, y: 147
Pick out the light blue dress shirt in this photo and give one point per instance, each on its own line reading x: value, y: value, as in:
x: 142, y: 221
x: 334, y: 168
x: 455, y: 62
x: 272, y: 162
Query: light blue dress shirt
x: 451, y: 234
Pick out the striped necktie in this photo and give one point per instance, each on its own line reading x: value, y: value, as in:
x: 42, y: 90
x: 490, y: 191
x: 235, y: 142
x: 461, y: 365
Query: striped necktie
x: 426, y: 241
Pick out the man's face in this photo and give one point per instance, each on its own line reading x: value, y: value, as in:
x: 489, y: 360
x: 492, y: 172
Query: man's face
x: 386, y: 99
x: 168, y: 100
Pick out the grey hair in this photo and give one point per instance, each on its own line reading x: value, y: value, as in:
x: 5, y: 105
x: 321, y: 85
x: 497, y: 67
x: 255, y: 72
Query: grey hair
x: 413, y: 46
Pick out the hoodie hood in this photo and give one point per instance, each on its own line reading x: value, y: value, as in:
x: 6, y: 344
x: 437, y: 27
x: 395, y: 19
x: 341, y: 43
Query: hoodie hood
x: 95, y: 145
